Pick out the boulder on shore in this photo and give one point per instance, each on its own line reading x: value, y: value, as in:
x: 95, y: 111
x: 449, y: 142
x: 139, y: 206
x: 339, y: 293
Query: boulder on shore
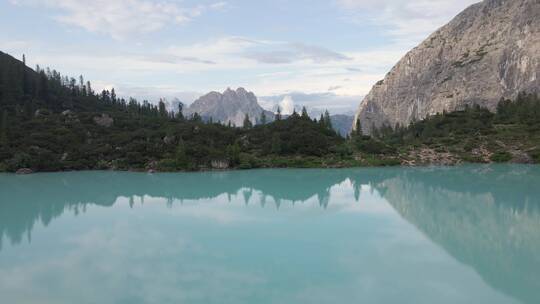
x: 24, y: 171
x: 220, y: 164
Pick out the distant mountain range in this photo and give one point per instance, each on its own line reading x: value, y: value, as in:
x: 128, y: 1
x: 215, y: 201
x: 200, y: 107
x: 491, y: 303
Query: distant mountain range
x: 233, y: 105
x: 229, y: 106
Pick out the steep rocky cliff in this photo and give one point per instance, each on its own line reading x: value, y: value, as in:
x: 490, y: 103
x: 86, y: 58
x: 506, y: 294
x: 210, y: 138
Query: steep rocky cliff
x: 489, y: 51
x: 231, y: 106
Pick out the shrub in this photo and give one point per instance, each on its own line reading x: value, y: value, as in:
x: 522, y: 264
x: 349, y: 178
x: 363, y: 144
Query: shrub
x: 535, y: 154
x: 501, y: 157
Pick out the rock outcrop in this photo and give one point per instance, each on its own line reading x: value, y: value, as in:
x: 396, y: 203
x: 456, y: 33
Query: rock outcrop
x: 488, y: 52
x: 104, y: 121
x: 231, y: 106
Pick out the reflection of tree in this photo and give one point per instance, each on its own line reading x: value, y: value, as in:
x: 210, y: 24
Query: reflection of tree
x: 489, y: 220
x: 486, y: 217
x: 27, y: 199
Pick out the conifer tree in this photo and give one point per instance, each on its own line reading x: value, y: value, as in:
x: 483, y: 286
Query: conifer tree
x: 358, y: 127
x: 263, y: 118
x: 247, y: 123
x: 327, y: 120
x: 276, y: 144
x: 113, y: 95
x: 304, y: 113
x: 180, y: 113
x: 278, y: 113
x: 3, y: 128
x: 162, y: 109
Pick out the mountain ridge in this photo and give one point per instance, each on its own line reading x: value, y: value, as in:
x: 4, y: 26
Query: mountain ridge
x: 489, y: 51
x: 231, y: 106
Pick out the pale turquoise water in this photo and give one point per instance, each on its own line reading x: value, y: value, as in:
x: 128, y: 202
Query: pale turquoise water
x: 447, y: 235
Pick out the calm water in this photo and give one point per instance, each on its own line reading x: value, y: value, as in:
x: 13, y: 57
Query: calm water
x: 448, y: 235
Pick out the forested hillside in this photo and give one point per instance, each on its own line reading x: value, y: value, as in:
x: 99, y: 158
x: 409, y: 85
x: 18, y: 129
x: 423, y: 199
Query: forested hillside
x: 49, y: 122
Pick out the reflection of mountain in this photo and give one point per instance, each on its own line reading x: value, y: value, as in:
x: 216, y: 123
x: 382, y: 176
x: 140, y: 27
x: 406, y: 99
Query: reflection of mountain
x: 488, y: 220
x: 26, y: 199
x: 485, y: 217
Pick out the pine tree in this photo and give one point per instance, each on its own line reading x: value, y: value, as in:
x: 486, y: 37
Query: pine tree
x: 276, y: 144
x: 196, y: 117
x: 3, y: 128
x: 278, y: 113
x: 327, y: 120
x: 180, y: 113
x: 162, y: 109
x: 304, y: 113
x: 182, y: 161
x: 247, y: 123
x: 113, y: 95
x: 358, y: 131
x: 263, y: 118
x: 89, y: 88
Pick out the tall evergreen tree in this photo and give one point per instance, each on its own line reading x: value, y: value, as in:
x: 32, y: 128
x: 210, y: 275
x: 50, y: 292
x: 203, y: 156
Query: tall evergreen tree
x: 276, y: 144
x: 162, y: 109
x: 278, y: 113
x: 247, y: 123
x: 89, y: 88
x: 358, y: 128
x: 180, y: 113
x: 327, y: 120
x: 3, y: 128
x: 304, y: 113
x: 263, y: 118
x: 113, y: 95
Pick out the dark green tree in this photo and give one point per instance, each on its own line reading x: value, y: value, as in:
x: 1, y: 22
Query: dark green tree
x: 278, y: 113
x: 3, y: 128
x: 263, y: 118
x: 233, y: 154
x: 327, y: 120
x: 247, y: 123
x: 180, y: 113
x: 305, y: 114
x: 162, y: 109
x: 276, y: 144
x: 358, y: 132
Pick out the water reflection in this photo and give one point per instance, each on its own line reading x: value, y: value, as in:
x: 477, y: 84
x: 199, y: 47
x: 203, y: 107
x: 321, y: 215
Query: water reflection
x: 486, y: 217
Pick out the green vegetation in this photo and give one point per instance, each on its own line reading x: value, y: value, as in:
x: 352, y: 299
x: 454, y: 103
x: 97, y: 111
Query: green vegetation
x: 49, y: 122
x: 473, y: 134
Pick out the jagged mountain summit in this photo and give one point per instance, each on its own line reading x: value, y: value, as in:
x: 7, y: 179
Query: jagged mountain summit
x: 229, y: 106
x: 488, y: 52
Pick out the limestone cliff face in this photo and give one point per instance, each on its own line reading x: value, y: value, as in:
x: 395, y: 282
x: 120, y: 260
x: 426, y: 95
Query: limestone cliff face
x: 231, y: 106
x: 489, y: 51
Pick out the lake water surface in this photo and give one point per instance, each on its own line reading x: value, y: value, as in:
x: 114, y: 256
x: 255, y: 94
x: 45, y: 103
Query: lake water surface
x: 399, y: 235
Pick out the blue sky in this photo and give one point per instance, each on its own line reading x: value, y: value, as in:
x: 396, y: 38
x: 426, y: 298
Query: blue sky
x: 322, y: 54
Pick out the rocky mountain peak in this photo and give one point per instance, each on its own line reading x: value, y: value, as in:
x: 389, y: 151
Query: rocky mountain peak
x: 229, y: 106
x: 489, y: 51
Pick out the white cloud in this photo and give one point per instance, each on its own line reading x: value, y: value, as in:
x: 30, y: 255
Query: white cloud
x: 291, y: 52
x: 122, y: 18
x: 409, y: 22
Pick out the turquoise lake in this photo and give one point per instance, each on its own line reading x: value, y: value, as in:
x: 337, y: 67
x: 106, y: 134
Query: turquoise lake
x: 467, y: 234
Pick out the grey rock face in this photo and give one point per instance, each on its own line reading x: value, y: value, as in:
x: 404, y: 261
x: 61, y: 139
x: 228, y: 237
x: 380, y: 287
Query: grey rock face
x: 231, y: 106
x: 488, y: 52
x: 342, y: 123
x: 104, y: 121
